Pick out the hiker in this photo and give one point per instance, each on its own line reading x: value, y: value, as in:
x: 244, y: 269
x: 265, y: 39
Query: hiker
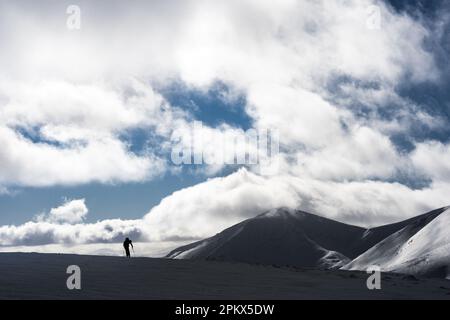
x: 126, y: 245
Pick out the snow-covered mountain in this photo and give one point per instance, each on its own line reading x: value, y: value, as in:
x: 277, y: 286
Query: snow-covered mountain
x: 282, y: 237
x: 419, y: 245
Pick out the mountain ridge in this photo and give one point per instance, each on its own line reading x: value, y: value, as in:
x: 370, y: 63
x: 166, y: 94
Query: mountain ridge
x: 293, y: 237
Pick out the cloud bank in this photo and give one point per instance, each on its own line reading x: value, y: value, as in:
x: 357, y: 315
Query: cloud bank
x: 65, y: 225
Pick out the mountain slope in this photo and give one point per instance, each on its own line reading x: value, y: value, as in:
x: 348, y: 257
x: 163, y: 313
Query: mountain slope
x: 375, y: 235
x: 421, y: 247
x: 289, y: 237
x: 282, y: 237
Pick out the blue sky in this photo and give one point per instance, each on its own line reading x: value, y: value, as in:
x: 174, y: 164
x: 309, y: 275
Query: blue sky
x: 94, y: 113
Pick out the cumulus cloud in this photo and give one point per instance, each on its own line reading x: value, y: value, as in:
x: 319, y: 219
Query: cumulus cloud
x: 217, y: 203
x: 38, y: 233
x: 73, y: 133
x: 365, y: 154
x: 71, y: 212
x: 433, y: 159
x: 65, y: 225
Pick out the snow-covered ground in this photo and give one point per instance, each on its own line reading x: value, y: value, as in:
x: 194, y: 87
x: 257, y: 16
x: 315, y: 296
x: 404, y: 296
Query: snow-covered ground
x: 142, y: 249
x: 43, y: 276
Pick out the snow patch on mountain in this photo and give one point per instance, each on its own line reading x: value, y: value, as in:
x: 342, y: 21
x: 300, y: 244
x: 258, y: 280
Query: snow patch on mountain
x: 332, y: 260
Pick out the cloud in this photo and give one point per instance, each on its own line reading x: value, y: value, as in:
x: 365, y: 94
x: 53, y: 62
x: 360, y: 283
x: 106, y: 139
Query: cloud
x: 4, y: 190
x: 364, y: 154
x: 432, y: 158
x: 104, y: 160
x: 65, y: 225
x: 208, y: 207
x: 71, y: 212
x: 39, y: 233
x: 74, y: 133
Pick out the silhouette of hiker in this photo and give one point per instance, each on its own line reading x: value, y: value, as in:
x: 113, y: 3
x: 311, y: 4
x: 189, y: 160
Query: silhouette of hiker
x: 126, y: 245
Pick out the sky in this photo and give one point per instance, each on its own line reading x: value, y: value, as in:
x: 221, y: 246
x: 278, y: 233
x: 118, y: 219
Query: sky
x: 103, y: 104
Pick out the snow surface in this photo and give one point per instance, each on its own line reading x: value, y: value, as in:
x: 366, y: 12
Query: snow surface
x: 43, y: 276
x: 156, y: 249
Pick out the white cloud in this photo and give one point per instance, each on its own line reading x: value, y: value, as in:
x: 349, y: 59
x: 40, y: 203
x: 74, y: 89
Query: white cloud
x: 104, y: 160
x: 216, y: 204
x: 37, y: 233
x: 80, y: 128
x: 433, y: 159
x: 71, y: 212
x: 65, y: 225
x: 364, y: 154
x: 258, y: 42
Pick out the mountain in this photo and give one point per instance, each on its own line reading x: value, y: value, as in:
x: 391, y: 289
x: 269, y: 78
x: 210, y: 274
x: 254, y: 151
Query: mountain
x: 421, y: 247
x: 296, y: 238
x: 282, y: 237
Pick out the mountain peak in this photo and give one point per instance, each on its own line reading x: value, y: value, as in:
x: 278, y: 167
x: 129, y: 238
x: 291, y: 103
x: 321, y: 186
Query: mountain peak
x: 282, y: 212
